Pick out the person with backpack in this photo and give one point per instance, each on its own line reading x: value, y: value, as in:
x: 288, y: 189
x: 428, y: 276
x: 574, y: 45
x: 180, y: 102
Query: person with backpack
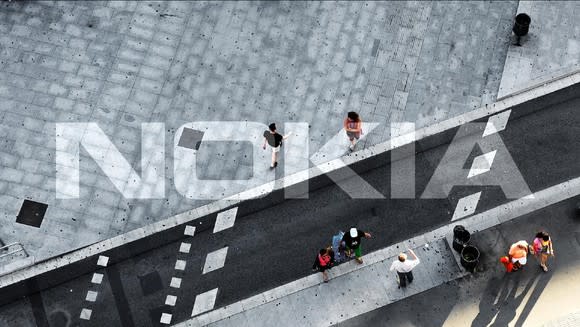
x: 543, y: 248
x: 352, y: 241
x: 323, y: 262
x: 339, y: 247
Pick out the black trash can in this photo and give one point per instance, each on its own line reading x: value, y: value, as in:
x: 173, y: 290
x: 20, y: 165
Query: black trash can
x: 521, y: 26
x: 460, y: 238
x: 469, y: 257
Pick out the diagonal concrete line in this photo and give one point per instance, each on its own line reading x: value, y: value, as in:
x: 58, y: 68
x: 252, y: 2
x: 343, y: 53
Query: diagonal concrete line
x: 287, y: 181
x: 484, y: 220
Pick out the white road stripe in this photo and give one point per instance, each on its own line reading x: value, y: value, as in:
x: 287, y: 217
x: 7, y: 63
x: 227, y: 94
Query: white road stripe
x: 86, y: 314
x: 97, y: 278
x: 103, y: 261
x: 91, y: 296
x: 481, y: 164
x: 225, y: 219
x: 180, y: 264
x: 171, y: 300
x: 215, y: 260
x: 497, y: 123
x: 165, y: 318
x: 185, y: 247
x: 175, y: 282
x: 204, y: 302
x: 189, y: 230
x: 466, y: 206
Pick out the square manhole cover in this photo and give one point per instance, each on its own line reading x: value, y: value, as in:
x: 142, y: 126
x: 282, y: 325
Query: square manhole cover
x: 31, y: 213
x: 150, y: 283
x: 190, y: 138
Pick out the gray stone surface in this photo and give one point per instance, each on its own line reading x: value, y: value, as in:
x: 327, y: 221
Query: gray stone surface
x: 121, y: 64
x: 551, y: 48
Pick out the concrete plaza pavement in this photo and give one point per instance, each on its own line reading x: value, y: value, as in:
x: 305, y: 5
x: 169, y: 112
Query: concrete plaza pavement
x: 120, y: 64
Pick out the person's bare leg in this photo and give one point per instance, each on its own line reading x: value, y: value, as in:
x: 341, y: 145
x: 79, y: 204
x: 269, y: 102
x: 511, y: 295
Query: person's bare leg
x: 274, y: 158
x: 544, y: 260
x: 325, y: 276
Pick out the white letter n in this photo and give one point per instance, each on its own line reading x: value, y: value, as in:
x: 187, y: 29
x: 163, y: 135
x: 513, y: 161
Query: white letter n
x: 151, y: 183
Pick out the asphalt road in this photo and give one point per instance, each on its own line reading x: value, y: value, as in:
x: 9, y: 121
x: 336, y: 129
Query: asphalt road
x: 278, y: 245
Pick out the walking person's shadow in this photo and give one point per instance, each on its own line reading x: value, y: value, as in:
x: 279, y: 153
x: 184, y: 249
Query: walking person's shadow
x: 501, y: 298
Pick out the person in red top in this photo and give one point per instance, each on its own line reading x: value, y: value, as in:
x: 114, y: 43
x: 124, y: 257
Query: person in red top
x: 324, y: 261
x: 505, y: 260
x: 353, y: 127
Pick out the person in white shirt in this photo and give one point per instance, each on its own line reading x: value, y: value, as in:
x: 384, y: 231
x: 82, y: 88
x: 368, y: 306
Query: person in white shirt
x: 404, y: 267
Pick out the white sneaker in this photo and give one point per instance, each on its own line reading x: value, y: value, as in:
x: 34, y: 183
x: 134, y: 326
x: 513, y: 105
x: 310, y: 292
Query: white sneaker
x: 351, y: 147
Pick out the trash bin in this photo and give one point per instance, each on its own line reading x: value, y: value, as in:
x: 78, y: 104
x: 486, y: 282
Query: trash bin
x: 469, y: 257
x: 460, y: 238
x: 521, y: 26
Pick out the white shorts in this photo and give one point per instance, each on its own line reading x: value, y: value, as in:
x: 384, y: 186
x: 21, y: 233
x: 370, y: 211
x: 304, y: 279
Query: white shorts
x: 522, y: 261
x: 276, y: 149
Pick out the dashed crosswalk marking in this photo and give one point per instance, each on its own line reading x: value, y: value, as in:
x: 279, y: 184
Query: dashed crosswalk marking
x: 97, y: 278
x: 185, y: 247
x: 180, y: 264
x: 175, y: 283
x: 86, y: 314
x: 103, y: 261
x: 166, y: 318
x: 171, y: 300
x: 189, y: 230
x: 92, y: 295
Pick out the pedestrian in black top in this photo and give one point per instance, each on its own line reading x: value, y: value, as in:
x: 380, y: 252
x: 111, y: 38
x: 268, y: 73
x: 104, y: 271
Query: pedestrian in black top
x: 274, y: 139
x: 352, y: 240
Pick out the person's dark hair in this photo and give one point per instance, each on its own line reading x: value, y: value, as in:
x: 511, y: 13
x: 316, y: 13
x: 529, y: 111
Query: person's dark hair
x: 353, y: 116
x: 543, y: 235
x: 272, y: 127
x: 322, y: 251
x: 546, y: 237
